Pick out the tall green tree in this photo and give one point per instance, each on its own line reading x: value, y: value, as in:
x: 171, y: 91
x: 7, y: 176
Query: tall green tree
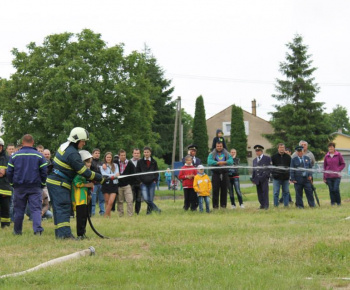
x: 238, y: 137
x: 187, y: 122
x: 298, y: 116
x: 76, y: 80
x: 163, y: 105
x: 339, y: 120
x: 200, y: 133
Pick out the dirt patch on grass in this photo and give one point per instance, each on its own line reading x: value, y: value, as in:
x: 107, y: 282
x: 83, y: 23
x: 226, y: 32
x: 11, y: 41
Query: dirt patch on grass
x: 145, y: 247
x: 130, y: 250
x: 132, y: 256
x: 336, y: 285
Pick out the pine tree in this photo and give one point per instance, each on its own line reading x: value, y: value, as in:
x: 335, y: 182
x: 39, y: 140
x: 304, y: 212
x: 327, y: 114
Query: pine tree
x: 200, y: 133
x: 298, y: 116
x: 163, y: 120
x: 238, y: 137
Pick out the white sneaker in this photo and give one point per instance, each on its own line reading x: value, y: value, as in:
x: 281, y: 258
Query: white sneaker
x: 242, y: 205
x: 233, y: 206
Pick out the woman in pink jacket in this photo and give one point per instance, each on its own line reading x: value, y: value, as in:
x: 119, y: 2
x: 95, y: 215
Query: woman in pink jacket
x: 333, y: 162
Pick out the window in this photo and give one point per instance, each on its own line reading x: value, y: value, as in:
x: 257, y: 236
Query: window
x: 226, y: 128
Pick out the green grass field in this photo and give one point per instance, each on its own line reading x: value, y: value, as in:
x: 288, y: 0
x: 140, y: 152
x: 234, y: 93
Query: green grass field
x: 226, y: 249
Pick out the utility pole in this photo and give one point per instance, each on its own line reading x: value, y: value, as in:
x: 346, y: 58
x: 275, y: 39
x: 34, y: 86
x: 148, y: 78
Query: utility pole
x: 181, y: 140
x: 174, y: 140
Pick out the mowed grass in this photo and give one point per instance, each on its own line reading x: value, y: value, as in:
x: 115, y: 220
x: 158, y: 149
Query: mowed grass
x: 226, y: 249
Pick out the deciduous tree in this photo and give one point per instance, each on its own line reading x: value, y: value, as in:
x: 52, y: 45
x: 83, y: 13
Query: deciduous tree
x: 76, y: 80
x: 339, y: 120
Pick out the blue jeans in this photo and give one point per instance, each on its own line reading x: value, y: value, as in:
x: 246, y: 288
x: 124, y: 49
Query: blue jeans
x: 101, y: 199
x: 147, y: 191
x: 48, y: 214
x: 168, y: 181
x: 277, y: 183
x: 334, y: 193
x: 234, y: 182
x: 200, y: 201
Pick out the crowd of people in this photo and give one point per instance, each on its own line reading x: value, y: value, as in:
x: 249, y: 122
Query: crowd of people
x: 75, y: 179
x: 295, y: 169
x: 284, y: 168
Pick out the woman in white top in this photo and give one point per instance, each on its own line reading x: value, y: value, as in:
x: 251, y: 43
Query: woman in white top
x: 109, y: 188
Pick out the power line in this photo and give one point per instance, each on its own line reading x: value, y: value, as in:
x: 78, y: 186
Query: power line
x: 220, y: 79
x: 233, y: 80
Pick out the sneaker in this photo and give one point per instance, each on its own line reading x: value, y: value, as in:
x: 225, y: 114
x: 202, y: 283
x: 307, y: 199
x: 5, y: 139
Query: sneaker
x: 233, y: 206
x: 242, y: 205
x: 38, y: 233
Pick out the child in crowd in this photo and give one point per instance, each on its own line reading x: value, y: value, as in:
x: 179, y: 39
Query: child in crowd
x: 187, y: 174
x: 202, y: 186
x: 219, y: 137
x: 45, y: 212
x: 167, y: 175
x: 80, y: 195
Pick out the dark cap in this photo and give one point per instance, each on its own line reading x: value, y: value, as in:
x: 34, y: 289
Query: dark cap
x: 258, y: 147
x: 299, y: 148
x: 192, y: 147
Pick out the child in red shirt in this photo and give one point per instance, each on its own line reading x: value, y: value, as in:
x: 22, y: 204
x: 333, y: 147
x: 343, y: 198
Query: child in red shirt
x: 187, y: 174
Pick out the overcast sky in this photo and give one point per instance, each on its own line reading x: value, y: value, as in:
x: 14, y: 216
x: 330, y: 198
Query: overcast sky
x: 227, y: 51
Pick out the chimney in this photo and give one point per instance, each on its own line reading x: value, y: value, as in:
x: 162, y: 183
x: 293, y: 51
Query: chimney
x: 254, y: 107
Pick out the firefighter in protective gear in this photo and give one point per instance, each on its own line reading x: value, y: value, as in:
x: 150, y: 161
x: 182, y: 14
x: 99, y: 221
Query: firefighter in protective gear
x: 67, y: 163
x: 5, y: 188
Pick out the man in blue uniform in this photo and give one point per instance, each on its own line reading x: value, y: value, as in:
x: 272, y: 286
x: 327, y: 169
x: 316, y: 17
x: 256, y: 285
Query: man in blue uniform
x: 301, y: 178
x: 27, y: 171
x: 66, y: 165
x: 193, y: 151
x: 261, y: 176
